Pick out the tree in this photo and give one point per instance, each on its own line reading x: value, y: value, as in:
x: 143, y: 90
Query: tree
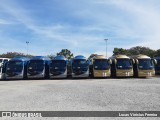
x: 157, y: 53
x: 141, y: 50
x: 135, y: 51
x: 51, y: 56
x: 14, y: 54
x: 118, y: 51
x: 67, y: 53
x: 11, y: 54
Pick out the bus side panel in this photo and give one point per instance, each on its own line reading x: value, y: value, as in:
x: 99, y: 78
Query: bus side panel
x: 25, y: 70
x: 47, y: 69
x: 69, y: 70
x: 113, y: 69
x: 91, y: 71
x: 135, y: 70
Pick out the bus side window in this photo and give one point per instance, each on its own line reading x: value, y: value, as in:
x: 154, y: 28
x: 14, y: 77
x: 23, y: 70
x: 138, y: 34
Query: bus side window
x: 5, y: 60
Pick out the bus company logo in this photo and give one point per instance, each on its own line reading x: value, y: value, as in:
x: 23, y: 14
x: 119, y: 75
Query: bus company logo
x: 6, y: 114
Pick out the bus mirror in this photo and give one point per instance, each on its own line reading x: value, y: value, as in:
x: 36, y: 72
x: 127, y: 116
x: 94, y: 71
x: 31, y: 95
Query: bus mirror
x: 133, y: 61
x: 70, y: 62
x: 137, y: 61
x: 88, y: 61
x: 110, y: 61
x: 115, y: 61
x: 91, y: 61
x: 67, y: 62
x: 154, y: 61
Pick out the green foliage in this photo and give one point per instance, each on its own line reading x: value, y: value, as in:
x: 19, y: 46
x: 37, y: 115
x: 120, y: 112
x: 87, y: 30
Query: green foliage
x: 135, y: 51
x: 67, y: 53
x: 51, y: 56
x: 118, y: 51
x: 157, y: 53
x: 13, y: 54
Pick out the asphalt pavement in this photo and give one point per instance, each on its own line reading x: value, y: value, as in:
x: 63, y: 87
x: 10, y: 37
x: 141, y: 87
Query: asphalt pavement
x: 132, y: 94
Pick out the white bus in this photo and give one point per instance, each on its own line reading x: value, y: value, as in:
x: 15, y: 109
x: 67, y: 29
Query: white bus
x: 38, y: 67
x: 58, y: 67
x: 16, y: 68
x: 80, y: 67
x: 3, y: 62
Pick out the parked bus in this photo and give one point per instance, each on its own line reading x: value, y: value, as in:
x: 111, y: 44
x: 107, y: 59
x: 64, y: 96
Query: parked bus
x: 38, y: 67
x: 3, y: 62
x: 100, y: 66
x: 16, y: 68
x: 80, y: 67
x: 144, y: 66
x: 58, y: 67
x: 122, y: 66
x: 157, y: 66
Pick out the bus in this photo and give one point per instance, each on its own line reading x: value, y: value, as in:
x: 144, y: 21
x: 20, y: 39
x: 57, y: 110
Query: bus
x: 38, y: 67
x: 157, y: 66
x: 58, y: 67
x: 3, y: 62
x: 122, y: 66
x: 144, y: 66
x: 100, y: 66
x: 80, y: 67
x: 16, y: 68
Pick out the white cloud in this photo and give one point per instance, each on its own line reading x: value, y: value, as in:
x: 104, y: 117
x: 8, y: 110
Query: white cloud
x: 133, y: 21
x: 3, y: 22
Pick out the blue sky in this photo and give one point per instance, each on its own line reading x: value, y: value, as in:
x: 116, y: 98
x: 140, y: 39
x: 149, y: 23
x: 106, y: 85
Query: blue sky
x: 78, y: 25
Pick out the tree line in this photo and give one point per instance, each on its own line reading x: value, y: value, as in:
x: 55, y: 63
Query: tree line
x: 68, y: 54
x: 137, y: 50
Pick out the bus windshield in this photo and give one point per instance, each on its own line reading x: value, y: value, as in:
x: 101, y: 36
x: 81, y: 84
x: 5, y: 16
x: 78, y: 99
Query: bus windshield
x: 36, y: 65
x: 1, y: 60
x: 15, y: 66
x: 145, y: 64
x: 80, y: 63
x: 124, y: 64
x: 58, y: 64
x: 101, y: 64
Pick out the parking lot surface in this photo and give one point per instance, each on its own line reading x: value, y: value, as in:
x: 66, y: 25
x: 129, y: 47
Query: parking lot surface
x: 121, y: 94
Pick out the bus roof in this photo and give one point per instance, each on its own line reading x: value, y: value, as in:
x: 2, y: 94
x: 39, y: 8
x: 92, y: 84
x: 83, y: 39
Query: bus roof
x: 140, y: 56
x: 80, y: 57
x: 99, y: 57
x: 59, y: 57
x: 119, y: 56
x: 40, y: 58
x: 5, y: 58
x: 20, y: 59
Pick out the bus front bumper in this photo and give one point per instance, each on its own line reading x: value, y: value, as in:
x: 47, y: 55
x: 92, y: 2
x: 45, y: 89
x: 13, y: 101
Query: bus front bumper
x: 15, y: 77
x: 58, y: 76
x: 84, y: 75
x: 101, y: 73
x: 146, y: 73
x: 124, y: 73
x: 35, y: 76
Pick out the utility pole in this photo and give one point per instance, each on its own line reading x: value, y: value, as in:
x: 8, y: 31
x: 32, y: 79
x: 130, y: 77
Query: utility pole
x: 106, y: 45
x: 27, y: 42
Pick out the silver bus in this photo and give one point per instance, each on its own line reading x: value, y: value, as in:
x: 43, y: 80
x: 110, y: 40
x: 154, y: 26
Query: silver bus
x: 16, y: 68
x: 58, y: 67
x: 38, y: 67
